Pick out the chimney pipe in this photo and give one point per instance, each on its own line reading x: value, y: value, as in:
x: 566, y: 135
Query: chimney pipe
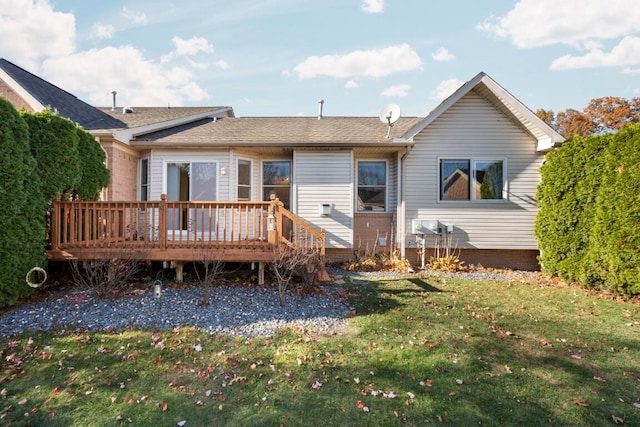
x: 113, y: 104
x: 320, y: 104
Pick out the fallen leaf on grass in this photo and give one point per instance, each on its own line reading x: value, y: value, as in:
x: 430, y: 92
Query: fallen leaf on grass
x: 580, y: 402
x: 636, y: 405
x: 23, y: 401
x: 317, y: 385
x: 617, y: 420
x: 181, y: 423
x: 426, y: 383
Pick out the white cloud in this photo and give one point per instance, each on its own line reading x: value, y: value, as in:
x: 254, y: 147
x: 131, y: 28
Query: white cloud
x: 534, y: 23
x: 361, y: 63
x: 135, y: 17
x: 187, y: 48
x: 103, y: 31
x: 627, y: 52
x: 222, y: 64
x: 443, y: 55
x: 351, y: 84
x: 192, y: 46
x: 399, y: 91
x: 42, y: 31
x: 445, y: 88
x: 137, y: 80
x: 373, y: 6
x: 631, y: 71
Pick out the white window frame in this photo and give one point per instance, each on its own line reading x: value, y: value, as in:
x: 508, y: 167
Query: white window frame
x: 386, y: 185
x: 147, y: 187
x: 262, y: 184
x: 472, y: 161
x: 190, y: 160
x: 238, y: 160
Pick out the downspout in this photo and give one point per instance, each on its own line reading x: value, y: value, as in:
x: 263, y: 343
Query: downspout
x: 401, y: 220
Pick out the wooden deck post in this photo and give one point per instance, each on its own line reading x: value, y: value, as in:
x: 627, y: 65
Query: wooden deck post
x: 55, y: 226
x: 162, y: 222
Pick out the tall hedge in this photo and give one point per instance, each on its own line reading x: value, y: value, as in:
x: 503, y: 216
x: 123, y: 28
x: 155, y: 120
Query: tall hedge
x: 54, y: 144
x: 614, y: 256
x: 22, y: 207
x: 567, y: 201
x: 94, y: 175
x: 588, y: 225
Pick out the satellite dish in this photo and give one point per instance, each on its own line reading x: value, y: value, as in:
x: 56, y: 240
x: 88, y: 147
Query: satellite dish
x: 389, y: 114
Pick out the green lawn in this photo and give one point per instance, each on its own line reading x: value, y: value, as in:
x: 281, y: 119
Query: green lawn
x: 419, y: 351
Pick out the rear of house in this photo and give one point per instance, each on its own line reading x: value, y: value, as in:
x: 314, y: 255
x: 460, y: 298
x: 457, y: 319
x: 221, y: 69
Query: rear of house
x: 462, y: 178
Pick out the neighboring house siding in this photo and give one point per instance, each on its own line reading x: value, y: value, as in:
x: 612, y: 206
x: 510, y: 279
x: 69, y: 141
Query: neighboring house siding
x: 326, y: 177
x: 474, y: 128
x: 11, y: 96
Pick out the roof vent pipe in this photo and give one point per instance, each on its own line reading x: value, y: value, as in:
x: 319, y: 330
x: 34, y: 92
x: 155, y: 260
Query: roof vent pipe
x: 113, y: 104
x: 320, y: 104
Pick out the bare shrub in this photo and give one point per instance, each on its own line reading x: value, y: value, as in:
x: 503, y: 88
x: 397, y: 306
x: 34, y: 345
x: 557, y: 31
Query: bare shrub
x: 212, y: 269
x: 108, y: 274
x: 292, y: 262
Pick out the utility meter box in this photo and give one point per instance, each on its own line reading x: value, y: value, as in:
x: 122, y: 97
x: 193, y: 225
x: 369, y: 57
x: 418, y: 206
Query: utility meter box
x: 425, y: 226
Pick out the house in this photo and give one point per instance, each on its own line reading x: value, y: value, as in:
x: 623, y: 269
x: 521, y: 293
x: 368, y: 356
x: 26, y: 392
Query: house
x: 468, y: 171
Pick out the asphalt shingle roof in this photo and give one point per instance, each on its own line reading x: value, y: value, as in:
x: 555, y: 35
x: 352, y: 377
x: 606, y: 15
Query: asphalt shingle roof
x: 142, y: 116
x: 67, y: 105
x: 279, y: 130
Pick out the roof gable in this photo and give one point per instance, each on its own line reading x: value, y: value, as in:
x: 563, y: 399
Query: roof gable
x: 41, y: 94
x: 484, y: 85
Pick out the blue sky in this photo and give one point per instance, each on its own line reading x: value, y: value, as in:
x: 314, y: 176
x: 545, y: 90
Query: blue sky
x: 279, y: 57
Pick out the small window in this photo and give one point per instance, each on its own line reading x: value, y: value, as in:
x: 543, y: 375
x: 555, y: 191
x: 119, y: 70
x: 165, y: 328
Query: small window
x: 276, y: 179
x: 467, y: 179
x: 372, y: 186
x: 244, y: 180
x: 144, y: 180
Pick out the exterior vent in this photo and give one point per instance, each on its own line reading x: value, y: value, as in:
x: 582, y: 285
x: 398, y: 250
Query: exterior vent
x: 127, y: 110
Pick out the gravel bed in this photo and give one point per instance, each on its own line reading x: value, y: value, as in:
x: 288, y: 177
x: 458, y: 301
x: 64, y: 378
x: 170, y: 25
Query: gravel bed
x: 243, y: 311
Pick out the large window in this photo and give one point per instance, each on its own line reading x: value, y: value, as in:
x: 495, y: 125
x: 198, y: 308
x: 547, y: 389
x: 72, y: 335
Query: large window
x: 469, y: 179
x: 244, y: 180
x: 372, y: 186
x: 194, y: 181
x: 276, y: 179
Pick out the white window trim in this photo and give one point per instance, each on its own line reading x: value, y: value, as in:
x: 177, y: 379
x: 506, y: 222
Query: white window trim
x: 251, y: 187
x: 386, y: 186
x: 293, y: 200
x: 472, y: 199
x: 148, y: 178
x: 190, y: 160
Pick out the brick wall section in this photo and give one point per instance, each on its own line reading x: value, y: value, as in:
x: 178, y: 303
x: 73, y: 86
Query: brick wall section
x: 491, y: 258
x: 367, y: 227
x: 124, y: 175
x: 7, y: 93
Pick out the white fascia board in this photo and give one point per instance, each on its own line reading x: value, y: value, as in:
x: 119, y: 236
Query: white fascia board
x: 22, y: 93
x: 126, y: 135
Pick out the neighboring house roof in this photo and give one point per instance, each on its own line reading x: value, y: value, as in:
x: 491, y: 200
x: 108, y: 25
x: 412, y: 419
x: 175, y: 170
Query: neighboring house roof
x: 144, y: 116
x: 504, y: 101
x: 40, y: 94
x: 281, y: 132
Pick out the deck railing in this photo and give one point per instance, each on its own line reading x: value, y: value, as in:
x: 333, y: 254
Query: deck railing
x: 162, y: 227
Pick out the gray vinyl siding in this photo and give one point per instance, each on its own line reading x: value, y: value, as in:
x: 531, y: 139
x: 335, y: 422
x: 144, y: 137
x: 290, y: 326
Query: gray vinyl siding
x: 473, y: 128
x: 326, y: 177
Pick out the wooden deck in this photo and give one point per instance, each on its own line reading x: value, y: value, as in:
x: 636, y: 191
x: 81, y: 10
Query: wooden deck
x: 177, y: 231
